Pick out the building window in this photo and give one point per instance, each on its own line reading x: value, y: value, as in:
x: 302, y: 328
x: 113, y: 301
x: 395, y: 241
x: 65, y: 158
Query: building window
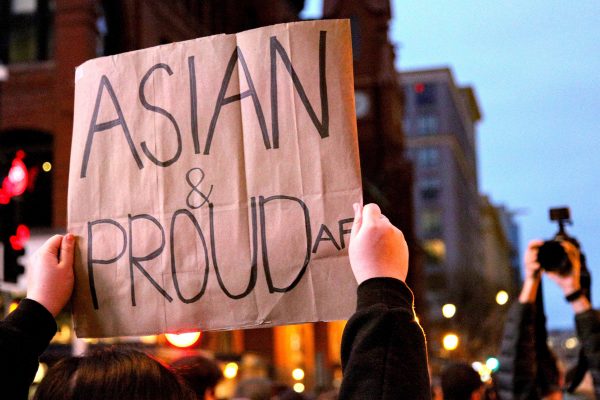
x: 430, y: 188
x: 428, y: 157
x: 26, y: 30
x: 425, y: 93
x: 431, y: 223
x: 435, y: 250
x: 427, y: 124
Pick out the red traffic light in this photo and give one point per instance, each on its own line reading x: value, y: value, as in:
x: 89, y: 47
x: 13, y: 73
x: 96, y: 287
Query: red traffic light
x: 17, y: 241
x: 15, y: 183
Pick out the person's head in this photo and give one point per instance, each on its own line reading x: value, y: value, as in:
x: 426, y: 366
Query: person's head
x: 200, y: 374
x: 111, y: 373
x: 461, y: 382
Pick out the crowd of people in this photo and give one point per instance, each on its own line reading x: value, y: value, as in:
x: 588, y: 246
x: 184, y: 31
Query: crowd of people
x: 383, y: 349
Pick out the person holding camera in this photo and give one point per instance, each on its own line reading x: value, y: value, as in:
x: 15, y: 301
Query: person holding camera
x: 528, y: 369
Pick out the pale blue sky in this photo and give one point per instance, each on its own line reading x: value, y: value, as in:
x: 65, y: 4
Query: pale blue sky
x: 535, y: 66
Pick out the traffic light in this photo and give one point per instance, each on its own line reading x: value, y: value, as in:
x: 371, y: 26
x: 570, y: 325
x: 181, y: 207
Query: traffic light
x: 14, y: 247
x: 13, y: 236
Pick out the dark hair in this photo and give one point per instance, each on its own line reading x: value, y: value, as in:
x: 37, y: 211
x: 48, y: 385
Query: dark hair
x: 112, y: 373
x: 198, y: 372
x: 459, y: 381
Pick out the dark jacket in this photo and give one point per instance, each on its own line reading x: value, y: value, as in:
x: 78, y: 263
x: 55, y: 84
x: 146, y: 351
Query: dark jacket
x: 528, y: 369
x: 24, y: 335
x: 588, y: 331
x: 383, y: 346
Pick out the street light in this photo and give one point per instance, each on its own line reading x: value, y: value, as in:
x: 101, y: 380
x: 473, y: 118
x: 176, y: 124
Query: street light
x: 502, y: 297
x: 448, y: 310
x: 450, y: 341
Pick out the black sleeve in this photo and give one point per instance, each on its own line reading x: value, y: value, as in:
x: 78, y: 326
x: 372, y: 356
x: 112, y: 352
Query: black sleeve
x: 24, y: 335
x: 516, y: 377
x: 383, y: 346
x: 588, y: 331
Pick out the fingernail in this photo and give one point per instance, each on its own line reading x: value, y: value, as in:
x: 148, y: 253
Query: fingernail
x: 69, y: 238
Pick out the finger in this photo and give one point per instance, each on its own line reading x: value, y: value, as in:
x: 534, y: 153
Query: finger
x: 357, y: 219
x: 52, y: 245
x: 371, y: 214
x: 535, y: 244
x: 67, y: 249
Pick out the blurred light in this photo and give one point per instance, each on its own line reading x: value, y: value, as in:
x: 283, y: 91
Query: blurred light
x: 485, y: 373
x: 298, y: 387
x: 448, y: 310
x: 419, y: 88
x: 183, y: 340
x: 149, y: 339
x: 17, y: 175
x: 230, y: 371
x: 492, y: 363
x: 298, y: 374
x: 13, y: 306
x: 41, y: 373
x: 571, y: 343
x: 47, y: 166
x: 417, y: 320
x: 477, y: 366
x: 18, y: 240
x: 450, y: 341
x: 502, y: 297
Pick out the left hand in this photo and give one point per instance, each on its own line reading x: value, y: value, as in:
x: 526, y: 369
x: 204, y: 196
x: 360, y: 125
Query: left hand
x: 569, y: 283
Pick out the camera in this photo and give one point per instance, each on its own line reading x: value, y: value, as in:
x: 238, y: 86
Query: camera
x: 552, y: 255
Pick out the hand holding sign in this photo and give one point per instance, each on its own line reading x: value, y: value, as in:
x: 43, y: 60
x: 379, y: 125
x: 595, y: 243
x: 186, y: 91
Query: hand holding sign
x: 51, y: 277
x: 377, y: 248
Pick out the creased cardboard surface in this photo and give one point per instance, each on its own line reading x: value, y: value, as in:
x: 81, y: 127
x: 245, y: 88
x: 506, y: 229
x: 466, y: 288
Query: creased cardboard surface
x: 211, y: 183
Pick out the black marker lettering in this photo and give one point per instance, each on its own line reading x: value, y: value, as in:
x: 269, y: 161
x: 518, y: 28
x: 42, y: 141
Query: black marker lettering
x: 222, y: 100
x: 344, y: 231
x: 98, y: 127
x: 193, y: 104
x: 330, y: 238
x: 323, y: 125
x: 136, y: 260
x: 262, y: 201
x: 173, y: 266
x: 90, y: 254
x: 253, y: 267
x: 160, y: 111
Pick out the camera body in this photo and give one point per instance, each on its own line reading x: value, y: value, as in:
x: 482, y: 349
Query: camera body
x: 552, y: 256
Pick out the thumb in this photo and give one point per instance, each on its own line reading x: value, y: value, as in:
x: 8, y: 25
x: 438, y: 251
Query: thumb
x: 357, y: 220
x: 67, y: 250
x: 52, y: 245
x: 371, y: 213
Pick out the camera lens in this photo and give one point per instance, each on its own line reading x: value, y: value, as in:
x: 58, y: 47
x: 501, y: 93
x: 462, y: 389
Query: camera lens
x: 553, y: 258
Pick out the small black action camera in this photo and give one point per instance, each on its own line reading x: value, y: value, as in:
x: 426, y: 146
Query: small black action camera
x: 552, y: 255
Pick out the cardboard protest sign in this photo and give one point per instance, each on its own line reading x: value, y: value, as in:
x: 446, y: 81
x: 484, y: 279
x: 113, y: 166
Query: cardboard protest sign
x: 212, y: 181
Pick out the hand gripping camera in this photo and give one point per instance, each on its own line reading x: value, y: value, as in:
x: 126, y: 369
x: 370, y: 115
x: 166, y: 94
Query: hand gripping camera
x: 552, y: 255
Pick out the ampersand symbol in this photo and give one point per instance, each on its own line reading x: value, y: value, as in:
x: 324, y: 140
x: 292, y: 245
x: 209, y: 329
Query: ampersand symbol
x: 196, y: 195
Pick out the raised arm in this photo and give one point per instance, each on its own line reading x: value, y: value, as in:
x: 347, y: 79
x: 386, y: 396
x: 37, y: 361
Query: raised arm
x: 27, y: 331
x: 383, y: 346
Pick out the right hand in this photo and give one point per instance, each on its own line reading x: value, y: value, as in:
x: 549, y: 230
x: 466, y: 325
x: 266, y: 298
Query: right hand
x: 51, y: 279
x: 532, y: 273
x: 532, y: 266
x: 569, y: 283
x: 377, y: 248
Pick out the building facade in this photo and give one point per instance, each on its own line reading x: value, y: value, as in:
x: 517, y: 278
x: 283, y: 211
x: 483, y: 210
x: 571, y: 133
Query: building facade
x: 387, y: 174
x: 440, y: 123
